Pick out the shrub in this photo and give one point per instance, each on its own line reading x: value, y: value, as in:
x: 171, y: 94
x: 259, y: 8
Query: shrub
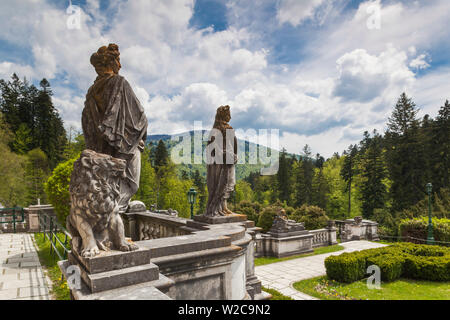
x: 347, y: 267
x: 266, y: 217
x: 390, y: 265
x: 313, y: 217
x: 57, y: 189
x: 427, y: 268
x: 407, y: 260
x: 418, y: 228
x: 250, y: 213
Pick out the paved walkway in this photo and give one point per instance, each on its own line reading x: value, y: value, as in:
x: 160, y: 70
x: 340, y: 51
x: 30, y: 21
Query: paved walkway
x: 282, y: 275
x: 21, y: 274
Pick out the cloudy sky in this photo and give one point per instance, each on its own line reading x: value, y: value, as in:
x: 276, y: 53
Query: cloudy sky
x: 320, y: 71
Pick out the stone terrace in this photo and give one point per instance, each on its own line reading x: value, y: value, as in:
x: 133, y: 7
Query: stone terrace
x: 21, y: 274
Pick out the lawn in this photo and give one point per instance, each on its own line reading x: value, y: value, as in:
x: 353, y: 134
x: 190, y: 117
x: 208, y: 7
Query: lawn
x: 276, y: 295
x: 402, y: 289
x: 267, y: 260
x: 59, y: 290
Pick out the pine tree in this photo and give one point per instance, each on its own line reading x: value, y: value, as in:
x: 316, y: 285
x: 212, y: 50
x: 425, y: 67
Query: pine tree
x: 348, y: 171
x: 284, y: 187
x: 405, y: 155
x: 304, y: 172
x: 440, y: 149
x: 161, y: 155
x: 373, y: 189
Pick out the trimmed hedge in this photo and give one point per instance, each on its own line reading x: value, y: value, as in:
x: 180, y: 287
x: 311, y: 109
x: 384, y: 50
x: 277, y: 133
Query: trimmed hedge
x: 418, y: 228
x: 407, y: 260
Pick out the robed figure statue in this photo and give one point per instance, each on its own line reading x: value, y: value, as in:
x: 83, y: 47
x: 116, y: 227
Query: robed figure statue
x: 113, y: 120
x: 221, y: 160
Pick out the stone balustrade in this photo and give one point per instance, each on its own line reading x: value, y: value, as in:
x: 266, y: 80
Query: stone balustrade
x: 357, y: 229
x: 293, y: 243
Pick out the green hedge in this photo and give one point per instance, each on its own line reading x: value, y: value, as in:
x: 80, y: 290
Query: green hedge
x: 391, y: 266
x: 407, y: 260
x: 418, y: 228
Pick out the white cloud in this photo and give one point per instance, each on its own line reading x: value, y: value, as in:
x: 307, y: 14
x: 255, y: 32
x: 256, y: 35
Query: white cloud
x: 420, y: 62
x: 8, y: 68
x: 364, y: 77
x: 347, y: 81
x: 296, y: 12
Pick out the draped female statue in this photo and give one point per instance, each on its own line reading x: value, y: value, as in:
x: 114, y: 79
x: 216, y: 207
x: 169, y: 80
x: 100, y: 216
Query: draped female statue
x: 221, y: 160
x: 113, y: 120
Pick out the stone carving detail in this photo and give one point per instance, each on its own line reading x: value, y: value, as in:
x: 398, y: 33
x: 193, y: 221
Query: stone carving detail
x: 358, y: 220
x: 281, y: 224
x: 148, y: 231
x: 94, y: 221
x: 221, y: 160
x: 107, y: 174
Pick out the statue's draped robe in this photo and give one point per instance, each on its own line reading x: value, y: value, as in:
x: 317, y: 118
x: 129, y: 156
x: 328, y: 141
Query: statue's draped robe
x: 221, y: 177
x: 114, y: 123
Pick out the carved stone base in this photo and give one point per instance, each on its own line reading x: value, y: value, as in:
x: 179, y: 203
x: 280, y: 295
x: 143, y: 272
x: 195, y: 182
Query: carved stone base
x: 232, y: 218
x: 159, y: 289
x: 114, y: 271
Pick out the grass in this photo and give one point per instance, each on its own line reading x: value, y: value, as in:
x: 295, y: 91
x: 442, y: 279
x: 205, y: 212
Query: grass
x: 402, y: 289
x: 59, y: 290
x: 267, y: 260
x: 276, y: 295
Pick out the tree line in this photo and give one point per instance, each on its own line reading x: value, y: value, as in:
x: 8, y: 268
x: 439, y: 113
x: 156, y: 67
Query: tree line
x: 383, y: 177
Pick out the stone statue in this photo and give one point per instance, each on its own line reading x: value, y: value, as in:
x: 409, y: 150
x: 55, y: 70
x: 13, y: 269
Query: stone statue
x: 221, y: 162
x: 94, y: 220
x: 106, y: 175
x: 113, y: 119
x: 282, y: 224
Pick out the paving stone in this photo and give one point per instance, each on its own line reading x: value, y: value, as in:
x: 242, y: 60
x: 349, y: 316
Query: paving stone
x: 32, y: 291
x: 8, y: 294
x: 29, y: 264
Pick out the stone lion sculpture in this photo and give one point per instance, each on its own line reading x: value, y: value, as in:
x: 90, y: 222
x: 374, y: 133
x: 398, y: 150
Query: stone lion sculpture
x: 94, y: 220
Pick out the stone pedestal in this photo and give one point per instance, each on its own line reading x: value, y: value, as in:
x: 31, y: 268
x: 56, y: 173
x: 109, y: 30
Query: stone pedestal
x: 115, y: 273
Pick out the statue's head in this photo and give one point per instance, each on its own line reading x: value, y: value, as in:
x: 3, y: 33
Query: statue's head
x: 107, y: 60
x: 223, y: 114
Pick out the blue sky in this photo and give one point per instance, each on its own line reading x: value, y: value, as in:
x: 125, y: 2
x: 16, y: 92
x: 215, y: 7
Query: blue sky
x: 315, y: 69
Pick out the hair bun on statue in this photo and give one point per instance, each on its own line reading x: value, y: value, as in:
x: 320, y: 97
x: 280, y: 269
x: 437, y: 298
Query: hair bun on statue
x: 105, y: 56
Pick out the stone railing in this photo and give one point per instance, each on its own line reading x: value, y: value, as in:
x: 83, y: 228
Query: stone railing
x: 149, y: 225
x: 320, y: 237
x: 357, y: 229
x: 292, y: 243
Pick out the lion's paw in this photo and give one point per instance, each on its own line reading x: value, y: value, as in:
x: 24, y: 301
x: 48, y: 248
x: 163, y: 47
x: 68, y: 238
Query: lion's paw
x: 128, y: 247
x: 90, y: 252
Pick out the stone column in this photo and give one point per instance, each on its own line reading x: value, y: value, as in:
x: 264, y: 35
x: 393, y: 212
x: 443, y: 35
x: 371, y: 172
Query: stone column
x: 331, y: 233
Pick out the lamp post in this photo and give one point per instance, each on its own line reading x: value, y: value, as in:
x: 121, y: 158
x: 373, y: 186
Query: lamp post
x: 191, y: 198
x: 430, y: 238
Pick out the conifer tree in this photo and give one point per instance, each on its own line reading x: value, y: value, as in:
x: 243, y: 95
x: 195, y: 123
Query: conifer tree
x: 405, y: 155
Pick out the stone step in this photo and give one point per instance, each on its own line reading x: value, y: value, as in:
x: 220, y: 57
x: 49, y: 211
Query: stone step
x: 109, y: 280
